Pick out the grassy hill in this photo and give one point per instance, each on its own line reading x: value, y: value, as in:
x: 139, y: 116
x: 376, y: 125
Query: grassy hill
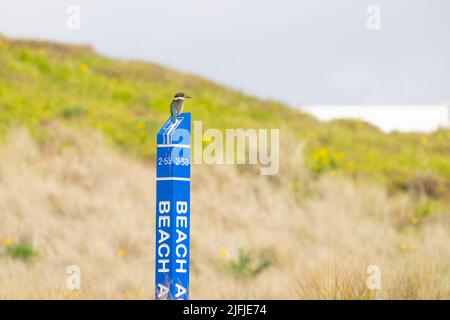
x: 45, y: 83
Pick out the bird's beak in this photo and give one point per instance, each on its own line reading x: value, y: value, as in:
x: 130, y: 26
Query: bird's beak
x: 187, y: 97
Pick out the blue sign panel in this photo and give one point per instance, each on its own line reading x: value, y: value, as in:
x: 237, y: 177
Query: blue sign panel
x: 173, y: 209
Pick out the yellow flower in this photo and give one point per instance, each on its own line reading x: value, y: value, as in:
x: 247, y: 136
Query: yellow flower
x: 84, y: 68
x: 415, y: 220
x: 99, y: 245
x: 403, y: 246
x: 7, y: 242
x: 140, y: 125
x: 412, y: 246
x: 223, y: 253
x: 122, y: 252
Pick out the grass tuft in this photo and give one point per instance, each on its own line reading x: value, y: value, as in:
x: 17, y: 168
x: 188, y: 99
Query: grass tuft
x: 246, y: 266
x: 22, y: 251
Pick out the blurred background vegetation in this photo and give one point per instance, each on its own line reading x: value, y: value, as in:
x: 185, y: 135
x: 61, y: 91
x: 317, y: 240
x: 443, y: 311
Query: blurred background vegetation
x: 45, y: 83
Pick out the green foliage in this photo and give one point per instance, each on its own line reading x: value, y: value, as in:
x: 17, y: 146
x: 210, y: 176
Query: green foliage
x: 425, y: 209
x: 73, y: 112
x: 246, y: 266
x: 41, y: 83
x: 21, y: 251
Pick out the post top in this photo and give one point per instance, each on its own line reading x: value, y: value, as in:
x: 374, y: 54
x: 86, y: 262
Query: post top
x: 175, y: 133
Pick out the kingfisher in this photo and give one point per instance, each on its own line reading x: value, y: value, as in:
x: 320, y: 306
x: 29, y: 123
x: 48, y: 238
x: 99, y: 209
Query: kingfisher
x: 176, y: 106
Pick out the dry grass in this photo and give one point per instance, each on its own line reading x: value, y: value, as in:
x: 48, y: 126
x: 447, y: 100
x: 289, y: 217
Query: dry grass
x: 78, y: 202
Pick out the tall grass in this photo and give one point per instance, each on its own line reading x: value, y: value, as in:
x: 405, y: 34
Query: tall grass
x: 76, y: 201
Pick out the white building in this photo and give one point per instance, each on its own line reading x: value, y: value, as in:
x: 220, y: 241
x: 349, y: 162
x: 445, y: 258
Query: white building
x: 422, y: 118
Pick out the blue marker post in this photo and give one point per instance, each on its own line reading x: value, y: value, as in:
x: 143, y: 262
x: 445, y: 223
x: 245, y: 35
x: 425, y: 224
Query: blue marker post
x: 173, y: 186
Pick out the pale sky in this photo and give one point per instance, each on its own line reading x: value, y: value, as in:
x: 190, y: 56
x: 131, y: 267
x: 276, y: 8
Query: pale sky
x: 299, y: 52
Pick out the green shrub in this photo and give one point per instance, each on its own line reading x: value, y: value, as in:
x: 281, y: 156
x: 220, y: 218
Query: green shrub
x: 323, y: 160
x: 426, y: 209
x: 21, y: 251
x: 245, y: 266
x: 73, y: 112
x: 426, y: 184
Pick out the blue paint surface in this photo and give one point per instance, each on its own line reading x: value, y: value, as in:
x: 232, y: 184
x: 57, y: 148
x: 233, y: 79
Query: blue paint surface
x: 173, y: 209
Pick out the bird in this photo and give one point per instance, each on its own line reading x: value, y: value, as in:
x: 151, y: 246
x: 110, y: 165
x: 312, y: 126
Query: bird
x: 176, y: 106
